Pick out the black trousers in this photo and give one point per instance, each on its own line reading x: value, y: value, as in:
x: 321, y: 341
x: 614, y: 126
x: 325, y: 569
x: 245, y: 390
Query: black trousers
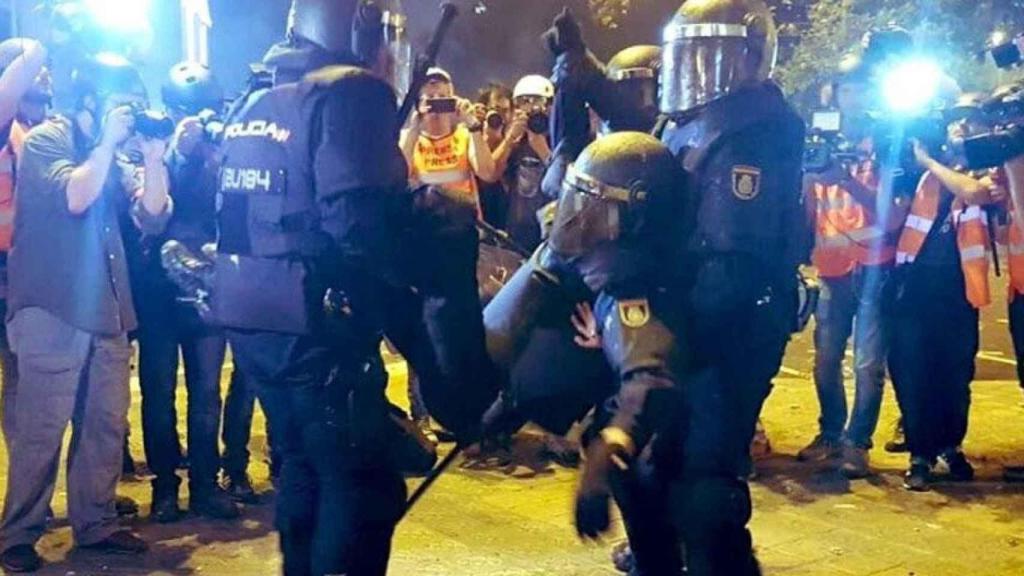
x: 1017, y: 333
x: 202, y: 349
x: 934, y: 341
x: 239, y: 405
x: 337, y: 505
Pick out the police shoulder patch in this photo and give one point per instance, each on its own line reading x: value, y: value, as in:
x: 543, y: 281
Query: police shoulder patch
x: 746, y: 182
x: 635, y: 313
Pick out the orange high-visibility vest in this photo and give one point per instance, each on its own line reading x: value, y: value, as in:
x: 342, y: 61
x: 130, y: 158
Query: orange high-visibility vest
x: 846, y: 235
x: 8, y: 164
x: 444, y: 162
x: 971, y: 237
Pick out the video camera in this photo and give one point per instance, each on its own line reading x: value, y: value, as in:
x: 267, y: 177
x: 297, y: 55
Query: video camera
x: 1006, y: 51
x: 1005, y: 110
x: 825, y: 146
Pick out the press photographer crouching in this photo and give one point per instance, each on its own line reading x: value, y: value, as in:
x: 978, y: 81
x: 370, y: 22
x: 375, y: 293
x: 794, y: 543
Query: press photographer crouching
x: 71, y: 308
x: 936, y: 291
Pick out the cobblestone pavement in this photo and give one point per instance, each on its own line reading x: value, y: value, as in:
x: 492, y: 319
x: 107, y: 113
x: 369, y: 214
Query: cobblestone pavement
x: 517, y: 522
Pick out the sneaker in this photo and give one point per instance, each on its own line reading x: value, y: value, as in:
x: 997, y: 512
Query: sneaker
x: 820, y: 449
x: 125, y: 506
x: 960, y: 470
x: 240, y: 488
x: 919, y: 477
x: 165, y: 508
x: 20, y: 559
x: 898, y: 443
x: 215, y: 503
x: 855, y: 462
x: 120, y: 542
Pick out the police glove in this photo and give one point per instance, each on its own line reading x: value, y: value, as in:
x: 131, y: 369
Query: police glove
x: 565, y: 35
x: 593, y: 497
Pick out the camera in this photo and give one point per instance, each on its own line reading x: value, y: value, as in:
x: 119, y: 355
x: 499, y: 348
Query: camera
x: 494, y: 120
x: 1006, y: 141
x: 441, y: 105
x: 825, y: 145
x: 152, y: 123
x: 1005, y: 50
x: 537, y: 121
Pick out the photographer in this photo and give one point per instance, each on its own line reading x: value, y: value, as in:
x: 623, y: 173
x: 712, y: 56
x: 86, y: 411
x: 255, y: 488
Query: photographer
x: 940, y: 283
x: 71, y: 308
x: 523, y: 156
x: 494, y: 109
x: 444, y: 145
x: 166, y: 326
x: 854, y: 252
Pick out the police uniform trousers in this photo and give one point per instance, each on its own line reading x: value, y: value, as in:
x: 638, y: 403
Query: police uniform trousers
x: 338, y: 501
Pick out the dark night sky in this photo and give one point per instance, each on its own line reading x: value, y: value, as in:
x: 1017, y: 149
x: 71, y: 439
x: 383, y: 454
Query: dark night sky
x: 503, y: 43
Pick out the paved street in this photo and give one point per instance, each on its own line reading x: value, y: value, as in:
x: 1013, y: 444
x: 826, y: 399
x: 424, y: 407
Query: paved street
x: 516, y: 522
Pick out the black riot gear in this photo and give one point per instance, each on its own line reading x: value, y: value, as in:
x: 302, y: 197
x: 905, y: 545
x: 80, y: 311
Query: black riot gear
x: 190, y: 88
x: 713, y: 47
x: 326, y: 23
x: 614, y: 192
x: 635, y: 71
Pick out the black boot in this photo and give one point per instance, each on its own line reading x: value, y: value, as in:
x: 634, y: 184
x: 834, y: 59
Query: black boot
x: 214, y: 502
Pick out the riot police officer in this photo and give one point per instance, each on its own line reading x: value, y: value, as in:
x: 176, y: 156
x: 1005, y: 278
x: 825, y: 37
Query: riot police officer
x: 741, y: 145
x: 310, y: 172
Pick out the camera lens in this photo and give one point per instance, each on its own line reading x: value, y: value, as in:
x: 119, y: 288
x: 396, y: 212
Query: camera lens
x: 153, y: 124
x: 537, y: 122
x: 494, y: 120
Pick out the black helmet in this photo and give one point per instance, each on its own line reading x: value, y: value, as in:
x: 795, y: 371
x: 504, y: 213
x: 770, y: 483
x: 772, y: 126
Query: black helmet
x: 190, y: 88
x: 636, y: 62
x: 326, y: 23
x: 103, y: 75
x: 712, y: 47
x: 614, y: 191
x: 968, y: 106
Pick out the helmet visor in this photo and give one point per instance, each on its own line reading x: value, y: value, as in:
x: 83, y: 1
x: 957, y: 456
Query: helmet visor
x: 397, y: 53
x: 701, y: 63
x: 588, y: 214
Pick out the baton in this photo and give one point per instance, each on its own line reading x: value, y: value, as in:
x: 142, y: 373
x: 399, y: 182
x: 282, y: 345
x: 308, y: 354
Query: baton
x: 426, y: 60
x: 436, y: 473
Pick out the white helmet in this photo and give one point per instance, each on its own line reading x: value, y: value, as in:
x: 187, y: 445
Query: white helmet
x: 534, y: 85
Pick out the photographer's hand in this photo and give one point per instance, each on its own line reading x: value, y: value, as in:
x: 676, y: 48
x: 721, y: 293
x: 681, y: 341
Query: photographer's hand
x: 117, y: 126
x: 921, y: 155
x: 156, y: 186
x: 539, y: 143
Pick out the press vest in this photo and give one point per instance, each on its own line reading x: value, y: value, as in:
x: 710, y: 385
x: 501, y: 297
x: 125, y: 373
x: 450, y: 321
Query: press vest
x: 444, y: 162
x: 8, y: 164
x: 971, y: 235
x: 846, y: 233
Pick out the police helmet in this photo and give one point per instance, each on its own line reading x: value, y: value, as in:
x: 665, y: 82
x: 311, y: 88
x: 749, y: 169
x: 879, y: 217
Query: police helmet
x: 326, y: 23
x: 614, y: 191
x: 190, y: 88
x: 712, y: 47
x: 636, y: 62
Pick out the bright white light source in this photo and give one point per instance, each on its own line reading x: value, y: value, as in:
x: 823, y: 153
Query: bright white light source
x: 911, y: 86
x: 999, y: 37
x: 120, y: 15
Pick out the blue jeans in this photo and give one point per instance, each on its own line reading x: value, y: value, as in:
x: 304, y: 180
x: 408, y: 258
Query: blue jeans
x: 850, y: 304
